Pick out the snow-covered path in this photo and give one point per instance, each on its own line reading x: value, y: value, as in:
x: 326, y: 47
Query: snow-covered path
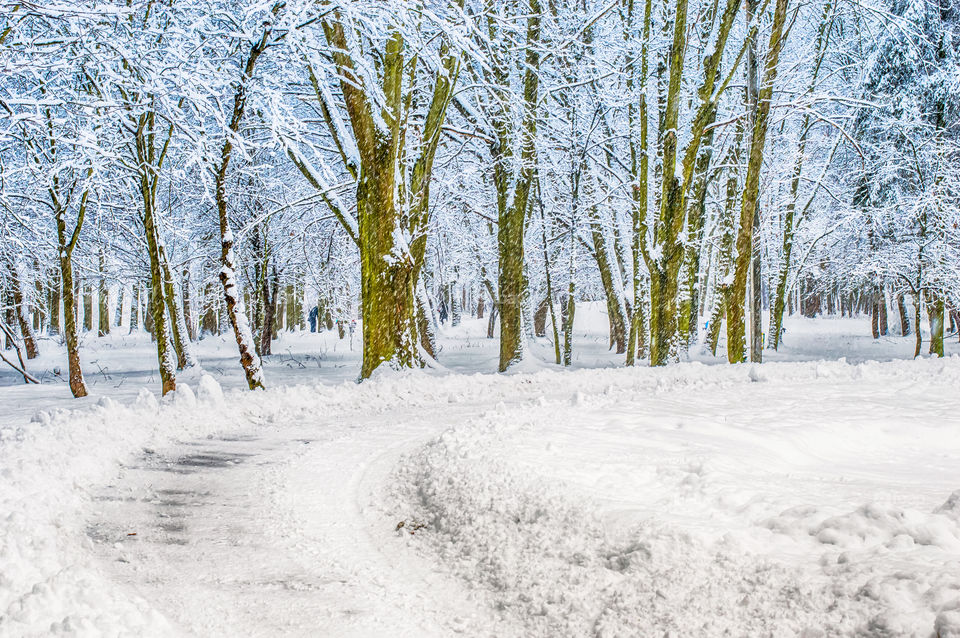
x: 818, y: 498
x: 263, y: 532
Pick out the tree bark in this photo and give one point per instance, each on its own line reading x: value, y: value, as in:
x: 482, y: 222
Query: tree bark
x: 249, y: 360
x: 19, y: 309
x: 178, y: 324
x: 612, y: 285
x: 748, y: 209
x: 512, y: 217
x: 935, y: 307
x: 103, y: 297
x: 78, y: 386
x: 904, y: 319
x: 916, y: 322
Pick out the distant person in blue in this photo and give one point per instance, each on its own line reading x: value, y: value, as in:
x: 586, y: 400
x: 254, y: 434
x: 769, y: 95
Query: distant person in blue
x: 443, y: 311
x: 313, y: 318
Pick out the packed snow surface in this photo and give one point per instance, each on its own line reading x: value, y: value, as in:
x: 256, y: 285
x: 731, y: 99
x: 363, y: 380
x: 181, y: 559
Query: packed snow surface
x: 810, y: 497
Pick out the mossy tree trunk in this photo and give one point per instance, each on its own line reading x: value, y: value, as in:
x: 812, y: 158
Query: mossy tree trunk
x: 665, y: 259
x: 149, y: 161
x: 736, y: 345
x: 727, y: 237
x: 390, y: 229
x: 639, y: 171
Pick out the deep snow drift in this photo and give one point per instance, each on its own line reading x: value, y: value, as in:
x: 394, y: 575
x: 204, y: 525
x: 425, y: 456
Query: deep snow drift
x: 813, y: 498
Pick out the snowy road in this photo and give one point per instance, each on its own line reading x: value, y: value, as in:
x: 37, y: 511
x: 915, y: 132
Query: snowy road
x: 263, y: 532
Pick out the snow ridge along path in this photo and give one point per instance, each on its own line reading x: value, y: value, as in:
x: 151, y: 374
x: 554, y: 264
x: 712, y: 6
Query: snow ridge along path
x: 684, y: 501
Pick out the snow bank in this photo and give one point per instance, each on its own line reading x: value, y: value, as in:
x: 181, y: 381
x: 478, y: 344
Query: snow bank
x: 560, y: 559
x: 47, y: 583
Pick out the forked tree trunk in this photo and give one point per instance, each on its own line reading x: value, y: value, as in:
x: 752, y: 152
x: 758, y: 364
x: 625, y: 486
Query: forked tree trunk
x: 690, y: 305
x: 390, y: 230
x: 612, y: 285
x: 387, y: 284
x: 727, y: 238
x: 78, y: 386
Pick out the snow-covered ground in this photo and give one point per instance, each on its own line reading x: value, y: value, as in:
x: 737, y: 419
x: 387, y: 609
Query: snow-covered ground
x: 806, y: 496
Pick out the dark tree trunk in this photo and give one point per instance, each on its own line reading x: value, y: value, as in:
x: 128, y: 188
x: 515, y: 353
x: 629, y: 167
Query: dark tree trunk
x: 540, y: 318
x: 882, y: 301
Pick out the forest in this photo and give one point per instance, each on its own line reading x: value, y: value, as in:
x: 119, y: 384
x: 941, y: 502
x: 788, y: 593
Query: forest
x: 482, y: 318
x: 701, y: 168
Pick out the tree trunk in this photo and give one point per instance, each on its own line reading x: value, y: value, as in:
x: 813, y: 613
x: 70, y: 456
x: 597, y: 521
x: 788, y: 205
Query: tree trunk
x: 690, y: 305
x: 103, y: 313
x: 749, y: 205
x: 916, y: 322
x: 387, y: 283
x: 19, y: 309
x: 187, y: 311
x: 178, y: 325
x: 293, y: 315
x: 147, y: 310
x: 875, y: 315
x: 270, y: 289
x: 882, y: 302
x: 568, y: 326
x: 249, y: 360
x: 756, y: 296
x: 540, y: 318
x: 168, y: 380
x: 639, y: 170
x: 612, y: 285
x: 210, y: 323
x: 53, y: 305
x: 135, y: 305
x: 904, y: 319
x: 935, y: 314
x: 77, y: 385
x: 727, y: 234
x: 663, y: 314
x: 86, y: 293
